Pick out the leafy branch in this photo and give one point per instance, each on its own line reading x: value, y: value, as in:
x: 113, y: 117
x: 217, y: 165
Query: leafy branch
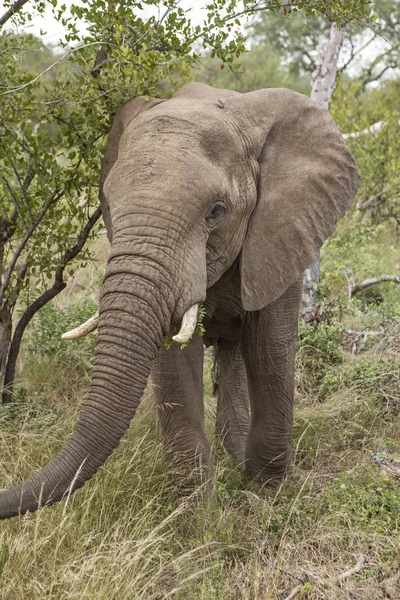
x: 48, y: 295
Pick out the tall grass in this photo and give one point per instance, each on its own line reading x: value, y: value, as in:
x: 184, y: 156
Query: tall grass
x: 130, y: 534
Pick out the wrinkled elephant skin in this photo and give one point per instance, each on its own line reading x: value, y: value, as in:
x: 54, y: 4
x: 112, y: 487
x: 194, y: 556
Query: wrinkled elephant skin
x: 208, y: 197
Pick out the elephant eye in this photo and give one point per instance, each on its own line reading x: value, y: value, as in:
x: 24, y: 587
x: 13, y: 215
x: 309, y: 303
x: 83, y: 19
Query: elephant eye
x: 218, y: 210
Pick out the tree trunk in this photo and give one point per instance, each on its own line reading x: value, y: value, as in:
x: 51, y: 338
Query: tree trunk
x: 323, y: 83
x: 5, y: 339
x: 9, y: 350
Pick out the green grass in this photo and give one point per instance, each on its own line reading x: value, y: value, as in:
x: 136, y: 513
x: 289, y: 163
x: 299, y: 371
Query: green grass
x: 130, y: 533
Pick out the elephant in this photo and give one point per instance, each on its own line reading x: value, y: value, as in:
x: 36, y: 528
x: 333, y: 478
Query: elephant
x: 214, y: 197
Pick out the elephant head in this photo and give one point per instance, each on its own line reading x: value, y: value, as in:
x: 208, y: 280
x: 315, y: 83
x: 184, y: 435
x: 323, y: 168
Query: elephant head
x: 188, y: 186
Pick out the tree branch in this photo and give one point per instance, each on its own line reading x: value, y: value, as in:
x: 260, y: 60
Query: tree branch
x: 16, y: 7
x: 332, y: 583
x: 57, y: 287
x: 15, y: 201
x: 53, y: 198
x: 357, y: 287
x: 358, y: 51
x: 25, y: 85
x: 374, y: 128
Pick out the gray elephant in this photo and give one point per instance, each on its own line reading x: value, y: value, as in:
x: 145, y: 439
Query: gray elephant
x: 210, y: 197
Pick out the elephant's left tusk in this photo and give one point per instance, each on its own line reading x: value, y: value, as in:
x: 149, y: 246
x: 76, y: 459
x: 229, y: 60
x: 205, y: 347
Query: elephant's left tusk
x: 189, y: 324
x: 87, y: 327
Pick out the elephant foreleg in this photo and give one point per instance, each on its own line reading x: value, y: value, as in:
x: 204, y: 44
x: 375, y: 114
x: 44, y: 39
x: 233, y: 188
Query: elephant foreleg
x: 177, y: 377
x: 269, y: 346
x: 233, y: 399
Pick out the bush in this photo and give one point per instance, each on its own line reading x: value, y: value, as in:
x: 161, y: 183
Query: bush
x: 51, y: 323
x: 323, y: 343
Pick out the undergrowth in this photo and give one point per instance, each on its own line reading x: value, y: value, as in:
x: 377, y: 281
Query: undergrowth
x: 130, y: 534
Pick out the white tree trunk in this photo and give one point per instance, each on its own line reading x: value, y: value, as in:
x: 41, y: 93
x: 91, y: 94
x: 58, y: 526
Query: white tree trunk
x: 323, y: 83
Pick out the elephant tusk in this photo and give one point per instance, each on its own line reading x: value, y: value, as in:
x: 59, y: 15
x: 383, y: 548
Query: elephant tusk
x: 189, y: 324
x: 82, y: 330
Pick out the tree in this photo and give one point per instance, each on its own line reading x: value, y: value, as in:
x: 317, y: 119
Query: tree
x: 299, y: 38
x: 54, y: 124
x: 260, y: 68
x: 310, y: 44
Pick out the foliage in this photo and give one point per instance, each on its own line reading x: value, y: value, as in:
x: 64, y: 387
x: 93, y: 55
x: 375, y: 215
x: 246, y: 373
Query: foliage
x: 260, y: 68
x: 299, y: 38
x: 128, y: 532
x: 321, y: 343
x: 363, y: 500
x: 377, y: 154
x: 49, y: 159
x: 51, y: 323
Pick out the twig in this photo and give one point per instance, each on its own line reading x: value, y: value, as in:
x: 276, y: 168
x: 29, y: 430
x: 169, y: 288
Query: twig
x: 357, y: 287
x: 307, y: 575
x: 13, y: 48
x: 356, y: 569
x: 58, y: 285
x: 358, y: 51
x: 25, y: 85
x: 294, y: 592
x: 53, y: 198
x: 98, y: 66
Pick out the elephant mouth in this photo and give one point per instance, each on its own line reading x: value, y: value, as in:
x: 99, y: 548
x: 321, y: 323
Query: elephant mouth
x: 187, y: 329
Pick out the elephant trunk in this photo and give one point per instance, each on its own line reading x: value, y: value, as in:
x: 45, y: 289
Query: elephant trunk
x: 134, y: 318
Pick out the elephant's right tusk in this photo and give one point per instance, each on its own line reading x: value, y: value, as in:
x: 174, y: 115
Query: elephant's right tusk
x: 82, y: 330
x: 189, y: 324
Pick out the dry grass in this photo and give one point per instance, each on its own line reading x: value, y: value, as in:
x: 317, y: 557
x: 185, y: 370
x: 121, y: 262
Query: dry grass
x: 128, y: 535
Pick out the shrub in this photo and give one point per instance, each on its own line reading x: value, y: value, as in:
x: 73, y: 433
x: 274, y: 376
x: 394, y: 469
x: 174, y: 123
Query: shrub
x: 51, y: 323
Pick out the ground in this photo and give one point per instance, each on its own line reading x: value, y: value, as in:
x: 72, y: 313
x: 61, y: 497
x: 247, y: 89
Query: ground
x: 330, y: 530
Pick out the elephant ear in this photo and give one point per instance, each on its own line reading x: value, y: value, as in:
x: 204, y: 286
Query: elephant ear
x: 123, y: 117
x: 307, y: 180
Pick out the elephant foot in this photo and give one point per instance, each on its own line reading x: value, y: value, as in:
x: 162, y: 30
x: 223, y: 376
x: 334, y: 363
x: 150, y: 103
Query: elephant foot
x: 233, y: 444
x: 192, y: 468
x: 266, y: 465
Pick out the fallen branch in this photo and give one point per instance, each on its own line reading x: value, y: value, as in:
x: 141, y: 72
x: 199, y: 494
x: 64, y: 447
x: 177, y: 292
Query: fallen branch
x: 386, y: 467
x: 356, y: 569
x: 357, y: 287
x: 309, y: 575
x: 360, y: 336
x: 295, y: 592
